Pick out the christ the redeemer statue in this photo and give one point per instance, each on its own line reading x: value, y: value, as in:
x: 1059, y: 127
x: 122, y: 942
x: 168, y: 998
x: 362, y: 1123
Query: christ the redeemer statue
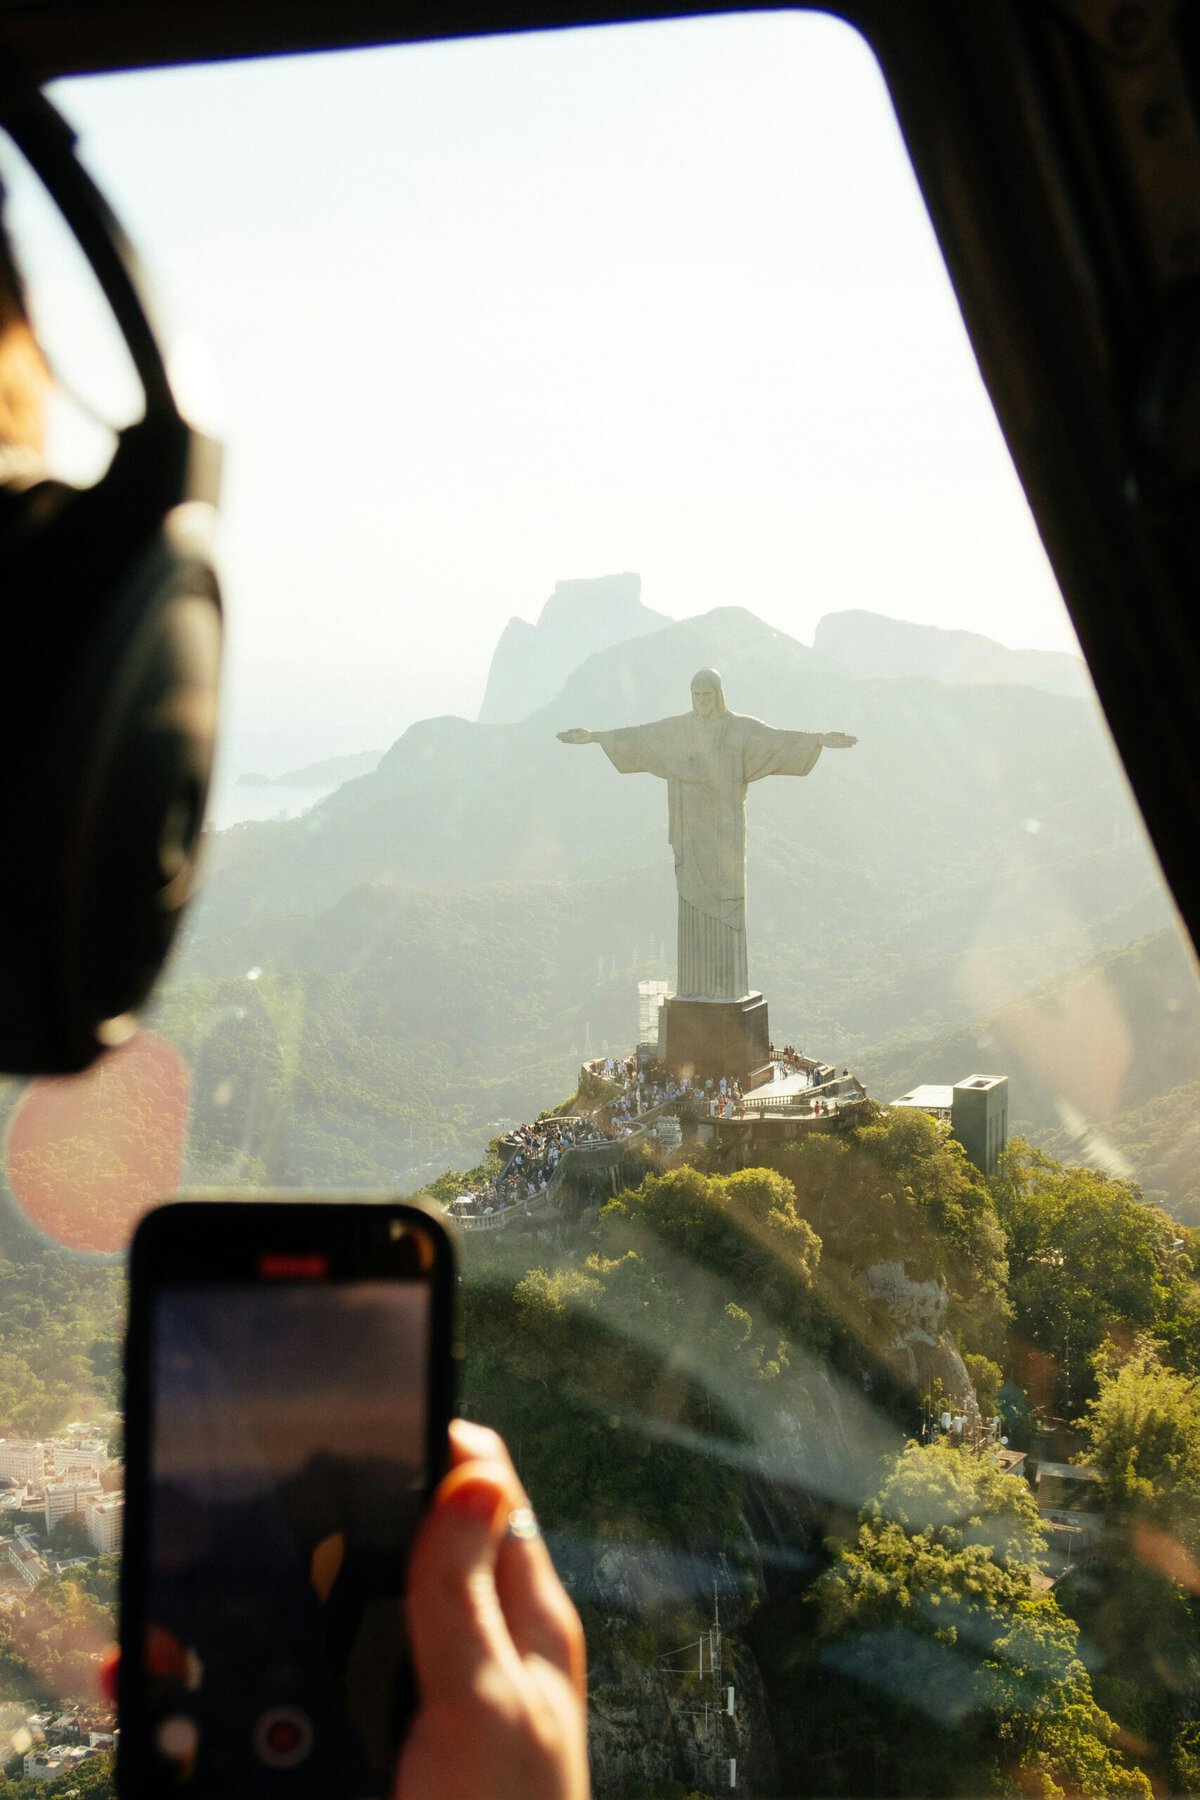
x: 707, y: 758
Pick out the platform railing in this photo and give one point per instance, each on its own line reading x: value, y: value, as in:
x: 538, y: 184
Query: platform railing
x: 577, y: 1157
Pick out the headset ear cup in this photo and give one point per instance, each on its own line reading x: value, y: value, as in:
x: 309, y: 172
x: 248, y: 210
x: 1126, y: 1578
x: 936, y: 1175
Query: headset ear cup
x: 108, y: 689
x: 133, y: 764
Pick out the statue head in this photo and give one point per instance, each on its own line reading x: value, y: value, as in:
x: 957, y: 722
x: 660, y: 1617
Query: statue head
x: 708, y: 696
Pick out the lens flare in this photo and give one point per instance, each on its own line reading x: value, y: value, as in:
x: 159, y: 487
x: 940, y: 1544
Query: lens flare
x: 86, y: 1154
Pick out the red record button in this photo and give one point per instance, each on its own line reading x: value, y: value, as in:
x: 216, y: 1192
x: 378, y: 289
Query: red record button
x: 283, y: 1737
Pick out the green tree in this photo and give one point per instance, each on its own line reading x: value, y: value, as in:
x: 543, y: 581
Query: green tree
x: 940, y: 1667
x: 1135, y: 1596
x: 1185, y: 1760
x: 987, y: 1378
x: 742, y: 1231
x: 69, y: 1537
x: 679, y: 1332
x: 1143, y: 1436
x: 1088, y: 1259
x: 900, y: 1189
x: 92, y: 1779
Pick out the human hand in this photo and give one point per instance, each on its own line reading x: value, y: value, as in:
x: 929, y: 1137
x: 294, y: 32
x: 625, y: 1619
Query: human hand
x: 497, y: 1645
x: 576, y: 736
x: 838, y: 740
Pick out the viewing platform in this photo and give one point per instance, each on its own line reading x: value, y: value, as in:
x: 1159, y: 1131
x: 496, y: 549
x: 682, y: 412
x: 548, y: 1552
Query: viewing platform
x: 622, y: 1115
x: 795, y: 1095
x: 576, y: 1162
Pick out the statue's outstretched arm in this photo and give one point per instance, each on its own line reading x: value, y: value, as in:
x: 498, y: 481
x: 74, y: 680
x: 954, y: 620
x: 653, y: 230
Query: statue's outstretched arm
x: 576, y: 736
x: 837, y: 740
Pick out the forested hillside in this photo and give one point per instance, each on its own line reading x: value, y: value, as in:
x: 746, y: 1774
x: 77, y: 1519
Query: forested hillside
x: 714, y: 1405
x: 709, y: 1392
x: 1101, y: 1063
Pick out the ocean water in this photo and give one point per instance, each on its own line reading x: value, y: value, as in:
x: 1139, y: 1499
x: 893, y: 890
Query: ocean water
x: 232, y: 803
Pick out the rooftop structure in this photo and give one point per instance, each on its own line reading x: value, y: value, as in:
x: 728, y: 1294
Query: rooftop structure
x: 78, y: 1453
x: 932, y: 1098
x: 976, y: 1110
x: 48, y: 1765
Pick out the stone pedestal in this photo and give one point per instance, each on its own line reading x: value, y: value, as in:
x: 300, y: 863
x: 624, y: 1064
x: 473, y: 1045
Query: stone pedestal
x: 711, y: 1038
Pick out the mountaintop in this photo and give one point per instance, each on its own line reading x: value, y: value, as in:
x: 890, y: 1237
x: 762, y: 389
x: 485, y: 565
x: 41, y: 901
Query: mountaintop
x: 531, y: 662
x: 868, y: 645
x: 329, y: 773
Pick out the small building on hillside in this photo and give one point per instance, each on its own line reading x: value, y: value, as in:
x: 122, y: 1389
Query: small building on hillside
x: 976, y: 1110
x: 979, y: 1118
x: 1068, y: 1498
x: 934, y: 1098
x: 1068, y: 1494
x: 48, y: 1764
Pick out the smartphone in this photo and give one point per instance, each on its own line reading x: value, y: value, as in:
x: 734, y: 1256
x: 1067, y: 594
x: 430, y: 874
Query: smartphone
x: 289, y: 1381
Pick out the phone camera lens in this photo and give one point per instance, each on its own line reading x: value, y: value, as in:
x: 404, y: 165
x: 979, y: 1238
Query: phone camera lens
x: 283, y: 1737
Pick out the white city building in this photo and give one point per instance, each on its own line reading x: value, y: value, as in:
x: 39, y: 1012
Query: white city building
x: 29, y: 1566
x: 68, y: 1496
x: 24, y: 1459
x: 78, y: 1453
x: 48, y: 1765
x: 104, y: 1518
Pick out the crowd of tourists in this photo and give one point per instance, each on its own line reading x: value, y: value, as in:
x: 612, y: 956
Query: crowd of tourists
x: 642, y: 1091
x: 724, y: 1099
x: 647, y: 1089
x: 719, y: 1096
x: 621, y: 1070
x: 539, y: 1148
x: 535, y: 1151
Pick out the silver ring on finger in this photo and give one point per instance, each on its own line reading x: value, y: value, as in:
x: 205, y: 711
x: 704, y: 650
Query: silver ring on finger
x: 522, y: 1524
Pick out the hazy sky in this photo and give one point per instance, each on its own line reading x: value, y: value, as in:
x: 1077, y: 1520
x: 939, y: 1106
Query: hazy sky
x: 486, y: 315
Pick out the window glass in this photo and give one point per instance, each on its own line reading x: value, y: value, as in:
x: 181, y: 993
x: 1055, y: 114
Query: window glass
x: 829, y: 1222
x: 93, y: 388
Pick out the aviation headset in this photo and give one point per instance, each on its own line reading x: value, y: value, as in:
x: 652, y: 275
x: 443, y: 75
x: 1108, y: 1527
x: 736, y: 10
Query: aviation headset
x: 108, y: 685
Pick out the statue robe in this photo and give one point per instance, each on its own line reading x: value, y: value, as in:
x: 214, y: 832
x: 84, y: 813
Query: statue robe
x: 707, y: 765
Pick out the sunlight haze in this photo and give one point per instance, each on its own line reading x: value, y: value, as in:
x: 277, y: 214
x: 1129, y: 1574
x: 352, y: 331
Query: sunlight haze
x: 488, y: 315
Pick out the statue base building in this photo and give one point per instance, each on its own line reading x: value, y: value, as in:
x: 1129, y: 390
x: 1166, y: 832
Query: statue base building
x: 705, y: 1039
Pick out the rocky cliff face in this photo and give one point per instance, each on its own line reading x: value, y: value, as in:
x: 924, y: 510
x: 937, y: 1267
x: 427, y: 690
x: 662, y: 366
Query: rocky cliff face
x: 531, y: 662
x: 922, y: 1350
x: 671, y: 1628
x: 650, y: 1724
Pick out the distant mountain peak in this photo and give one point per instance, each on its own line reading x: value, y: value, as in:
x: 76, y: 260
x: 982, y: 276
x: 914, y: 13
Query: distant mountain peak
x: 869, y: 646
x: 582, y: 594
x: 583, y: 615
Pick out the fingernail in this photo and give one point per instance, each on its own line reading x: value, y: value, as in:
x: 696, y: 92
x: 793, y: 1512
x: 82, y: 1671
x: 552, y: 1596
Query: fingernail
x: 477, y: 1441
x: 475, y: 1498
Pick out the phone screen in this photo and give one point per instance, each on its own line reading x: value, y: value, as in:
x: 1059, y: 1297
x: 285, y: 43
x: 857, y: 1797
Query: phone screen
x: 288, y: 1443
